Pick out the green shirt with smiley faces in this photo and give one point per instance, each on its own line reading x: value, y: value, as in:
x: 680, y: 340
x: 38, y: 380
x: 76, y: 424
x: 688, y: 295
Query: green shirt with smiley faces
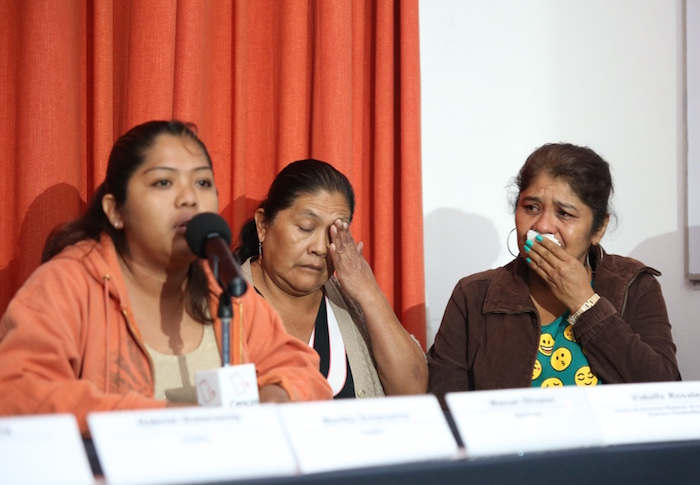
x: 560, y: 359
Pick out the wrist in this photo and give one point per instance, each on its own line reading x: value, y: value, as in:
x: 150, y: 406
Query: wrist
x: 587, y: 305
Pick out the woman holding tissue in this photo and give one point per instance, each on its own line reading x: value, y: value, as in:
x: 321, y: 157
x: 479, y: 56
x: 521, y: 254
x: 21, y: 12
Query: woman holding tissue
x: 122, y: 314
x: 564, y: 312
x: 299, y: 254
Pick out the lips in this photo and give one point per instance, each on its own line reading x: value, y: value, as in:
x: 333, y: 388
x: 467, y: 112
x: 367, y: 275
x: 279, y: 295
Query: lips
x: 181, y: 224
x: 312, y: 267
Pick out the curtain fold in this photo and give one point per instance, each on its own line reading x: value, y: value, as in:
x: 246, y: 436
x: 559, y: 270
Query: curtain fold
x: 266, y: 83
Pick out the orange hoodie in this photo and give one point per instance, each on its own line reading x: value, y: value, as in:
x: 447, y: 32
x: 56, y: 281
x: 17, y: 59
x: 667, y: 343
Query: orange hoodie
x: 69, y: 341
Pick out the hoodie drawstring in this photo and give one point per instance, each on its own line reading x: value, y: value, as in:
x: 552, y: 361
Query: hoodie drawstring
x: 106, y: 278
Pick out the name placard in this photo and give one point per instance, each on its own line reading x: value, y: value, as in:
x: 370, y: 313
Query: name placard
x: 524, y: 420
x: 644, y: 413
x: 43, y: 449
x: 351, y: 433
x: 190, y: 445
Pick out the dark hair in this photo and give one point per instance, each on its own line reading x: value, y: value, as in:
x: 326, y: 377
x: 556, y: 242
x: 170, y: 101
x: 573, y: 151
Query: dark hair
x: 127, y: 155
x: 298, y: 178
x: 584, y: 170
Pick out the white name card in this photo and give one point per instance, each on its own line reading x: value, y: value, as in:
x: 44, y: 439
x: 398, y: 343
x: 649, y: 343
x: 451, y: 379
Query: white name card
x: 523, y: 420
x: 190, y: 445
x: 644, y: 413
x: 43, y: 449
x: 351, y: 433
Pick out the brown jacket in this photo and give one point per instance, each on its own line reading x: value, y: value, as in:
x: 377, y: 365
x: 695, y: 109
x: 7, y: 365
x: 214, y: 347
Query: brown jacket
x: 490, y: 332
x: 69, y: 341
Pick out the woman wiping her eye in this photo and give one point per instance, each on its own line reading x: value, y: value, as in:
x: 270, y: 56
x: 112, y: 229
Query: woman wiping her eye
x: 299, y: 254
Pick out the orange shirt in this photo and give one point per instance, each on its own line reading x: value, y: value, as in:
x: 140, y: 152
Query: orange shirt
x: 69, y: 341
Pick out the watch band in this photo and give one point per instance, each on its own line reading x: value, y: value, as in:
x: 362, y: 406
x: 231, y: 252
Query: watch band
x: 586, y: 305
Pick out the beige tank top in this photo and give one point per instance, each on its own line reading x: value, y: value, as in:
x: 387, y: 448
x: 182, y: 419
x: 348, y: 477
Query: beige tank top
x: 174, y: 374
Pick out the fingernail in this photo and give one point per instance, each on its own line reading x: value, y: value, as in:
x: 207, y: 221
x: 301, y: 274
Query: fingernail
x: 527, y: 248
x: 539, y: 238
x: 528, y: 260
x: 529, y: 243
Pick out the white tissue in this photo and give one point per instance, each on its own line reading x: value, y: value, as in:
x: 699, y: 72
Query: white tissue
x: 531, y: 235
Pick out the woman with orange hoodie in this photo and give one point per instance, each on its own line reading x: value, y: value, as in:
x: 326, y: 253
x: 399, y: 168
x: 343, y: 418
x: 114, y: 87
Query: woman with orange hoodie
x: 122, y: 313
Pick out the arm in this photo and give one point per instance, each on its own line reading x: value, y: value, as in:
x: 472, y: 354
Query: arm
x: 637, y: 347
x: 447, y: 358
x: 287, y: 368
x: 401, y: 363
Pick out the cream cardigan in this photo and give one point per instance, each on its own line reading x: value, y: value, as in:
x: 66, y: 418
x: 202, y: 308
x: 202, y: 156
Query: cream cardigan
x: 355, y: 337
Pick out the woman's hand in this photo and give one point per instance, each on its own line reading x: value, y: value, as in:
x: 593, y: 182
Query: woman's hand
x: 273, y: 393
x: 352, y: 270
x: 568, y: 279
x: 401, y: 364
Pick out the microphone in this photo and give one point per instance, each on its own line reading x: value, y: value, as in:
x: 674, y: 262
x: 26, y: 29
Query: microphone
x: 209, y: 236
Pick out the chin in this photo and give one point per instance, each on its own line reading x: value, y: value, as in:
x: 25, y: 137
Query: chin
x: 307, y: 287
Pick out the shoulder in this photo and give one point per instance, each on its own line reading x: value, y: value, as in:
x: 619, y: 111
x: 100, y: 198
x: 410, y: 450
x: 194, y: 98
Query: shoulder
x: 624, y: 266
x: 347, y: 312
x: 341, y: 303
x: 479, y: 278
x: 246, y: 271
x: 82, y: 261
x: 66, y: 283
x: 484, y: 279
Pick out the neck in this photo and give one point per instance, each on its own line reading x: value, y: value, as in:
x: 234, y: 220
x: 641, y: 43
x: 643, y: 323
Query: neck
x: 149, y: 281
x: 267, y: 286
x: 298, y: 312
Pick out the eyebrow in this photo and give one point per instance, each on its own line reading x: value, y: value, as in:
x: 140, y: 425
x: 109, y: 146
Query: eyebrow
x: 311, y: 213
x: 171, y: 169
x: 558, y: 203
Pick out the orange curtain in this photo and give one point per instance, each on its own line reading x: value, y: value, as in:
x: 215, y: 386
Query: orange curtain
x: 266, y: 82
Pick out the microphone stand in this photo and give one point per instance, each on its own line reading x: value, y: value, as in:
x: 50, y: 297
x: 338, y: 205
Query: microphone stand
x: 225, y: 314
x: 220, y: 392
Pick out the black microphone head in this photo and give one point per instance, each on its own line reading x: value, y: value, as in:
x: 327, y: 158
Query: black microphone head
x: 204, y: 226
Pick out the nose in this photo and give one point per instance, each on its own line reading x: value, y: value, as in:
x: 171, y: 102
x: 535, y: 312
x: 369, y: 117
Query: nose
x: 545, y: 224
x: 320, y: 243
x: 186, y: 196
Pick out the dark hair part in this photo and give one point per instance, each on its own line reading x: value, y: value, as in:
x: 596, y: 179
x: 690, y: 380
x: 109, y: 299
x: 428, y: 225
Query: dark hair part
x: 584, y: 170
x: 127, y: 155
x: 298, y: 178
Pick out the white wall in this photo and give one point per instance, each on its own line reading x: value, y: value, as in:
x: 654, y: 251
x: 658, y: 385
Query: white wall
x: 502, y: 77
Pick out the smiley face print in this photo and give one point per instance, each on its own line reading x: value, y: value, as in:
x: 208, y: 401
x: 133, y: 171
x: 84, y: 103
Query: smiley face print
x: 546, y: 344
x: 569, y: 333
x: 537, y: 370
x: 561, y: 359
x: 584, y: 377
x: 553, y: 382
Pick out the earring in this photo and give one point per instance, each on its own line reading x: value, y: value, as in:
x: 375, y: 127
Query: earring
x: 259, y: 250
x: 508, y: 243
